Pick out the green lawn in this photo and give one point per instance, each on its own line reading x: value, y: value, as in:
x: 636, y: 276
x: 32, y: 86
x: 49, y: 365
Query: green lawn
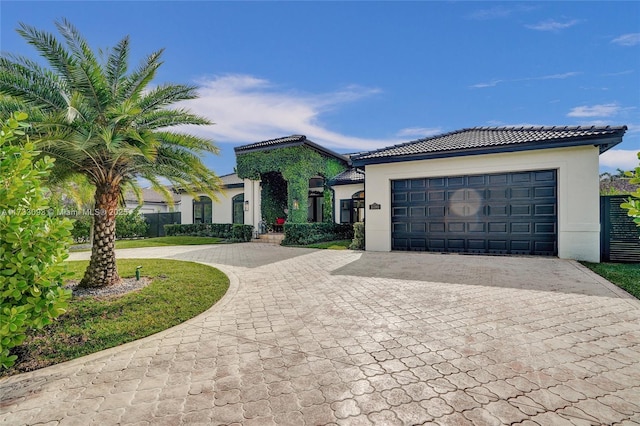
x: 624, y: 275
x: 167, y: 241
x: 331, y: 245
x: 179, y: 291
x: 163, y: 241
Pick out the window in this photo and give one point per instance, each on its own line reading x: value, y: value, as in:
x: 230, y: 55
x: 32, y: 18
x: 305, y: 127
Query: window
x: 358, y: 206
x: 238, y: 208
x: 202, y: 210
x: 352, y: 210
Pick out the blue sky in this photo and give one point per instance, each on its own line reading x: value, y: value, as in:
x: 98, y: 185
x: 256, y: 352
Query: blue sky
x: 355, y: 76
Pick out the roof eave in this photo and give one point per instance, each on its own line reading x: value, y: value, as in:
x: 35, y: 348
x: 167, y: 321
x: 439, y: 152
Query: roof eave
x: 604, y: 144
x: 306, y: 142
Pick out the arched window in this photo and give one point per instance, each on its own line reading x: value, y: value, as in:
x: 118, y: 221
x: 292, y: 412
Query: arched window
x: 202, y: 210
x: 237, y: 203
x: 358, y: 206
x: 352, y: 209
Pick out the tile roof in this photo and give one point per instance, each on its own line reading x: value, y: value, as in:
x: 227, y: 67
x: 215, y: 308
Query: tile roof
x: 231, y: 180
x: 484, y: 140
x: 288, y: 141
x: 347, y: 177
x: 151, y: 196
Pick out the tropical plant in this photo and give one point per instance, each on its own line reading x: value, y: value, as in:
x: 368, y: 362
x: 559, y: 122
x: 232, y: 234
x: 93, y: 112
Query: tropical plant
x: 33, y: 243
x: 616, y: 183
x: 633, y: 203
x: 98, y: 119
x: 131, y: 224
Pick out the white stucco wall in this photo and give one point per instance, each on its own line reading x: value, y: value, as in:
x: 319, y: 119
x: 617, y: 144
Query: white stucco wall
x: 341, y: 192
x: 186, y: 208
x: 252, y: 193
x: 152, y: 208
x: 578, y: 192
x: 222, y: 208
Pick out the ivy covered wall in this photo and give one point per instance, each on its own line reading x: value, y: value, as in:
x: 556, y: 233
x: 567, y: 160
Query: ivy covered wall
x: 297, y: 165
x: 274, y: 197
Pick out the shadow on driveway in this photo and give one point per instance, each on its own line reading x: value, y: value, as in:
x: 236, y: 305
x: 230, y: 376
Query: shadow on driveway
x: 531, y: 273
x: 246, y: 255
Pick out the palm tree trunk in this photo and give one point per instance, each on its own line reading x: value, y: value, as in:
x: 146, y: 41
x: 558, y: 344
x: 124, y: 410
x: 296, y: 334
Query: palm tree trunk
x: 102, y: 270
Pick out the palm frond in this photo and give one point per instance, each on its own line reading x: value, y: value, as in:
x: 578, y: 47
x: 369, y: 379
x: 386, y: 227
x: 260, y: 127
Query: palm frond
x: 88, y: 76
x: 49, y: 47
x: 169, y: 117
x: 183, y: 140
x: 136, y: 82
x: 166, y: 95
x: 30, y: 83
x: 116, y: 67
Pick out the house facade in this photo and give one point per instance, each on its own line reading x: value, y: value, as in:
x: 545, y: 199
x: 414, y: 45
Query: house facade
x: 494, y: 190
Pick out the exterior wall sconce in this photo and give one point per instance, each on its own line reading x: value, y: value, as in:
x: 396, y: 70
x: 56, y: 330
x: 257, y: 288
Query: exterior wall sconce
x: 296, y: 204
x: 246, y: 206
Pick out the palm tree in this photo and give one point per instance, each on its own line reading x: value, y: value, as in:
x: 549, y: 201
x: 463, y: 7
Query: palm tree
x: 99, y: 120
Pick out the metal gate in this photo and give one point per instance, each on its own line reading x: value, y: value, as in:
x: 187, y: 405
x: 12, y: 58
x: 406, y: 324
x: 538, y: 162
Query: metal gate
x: 619, y: 235
x: 157, y: 221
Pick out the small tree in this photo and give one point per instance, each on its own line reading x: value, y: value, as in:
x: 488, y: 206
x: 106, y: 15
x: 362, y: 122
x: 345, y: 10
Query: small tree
x: 633, y: 203
x: 33, y: 243
x: 131, y: 225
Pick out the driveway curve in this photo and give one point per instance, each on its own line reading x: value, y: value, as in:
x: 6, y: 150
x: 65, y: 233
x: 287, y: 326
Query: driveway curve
x: 314, y: 337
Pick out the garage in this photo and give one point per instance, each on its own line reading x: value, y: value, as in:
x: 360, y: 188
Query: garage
x: 498, y: 213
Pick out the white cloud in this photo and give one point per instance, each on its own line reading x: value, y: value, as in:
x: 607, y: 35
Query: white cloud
x: 492, y: 83
x: 421, y: 132
x: 627, y: 39
x: 496, y: 12
x: 247, y: 109
x: 555, y: 76
x: 619, y: 159
x: 495, y: 82
x: 499, y: 12
x: 552, y: 25
x: 604, y: 110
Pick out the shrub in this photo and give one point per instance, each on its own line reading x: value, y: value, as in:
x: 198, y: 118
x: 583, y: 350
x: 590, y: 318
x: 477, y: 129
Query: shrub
x: 33, y: 243
x: 310, y: 233
x: 633, y: 203
x: 81, y: 229
x: 241, y: 233
x: 235, y: 232
x: 131, y: 225
x: 358, y: 236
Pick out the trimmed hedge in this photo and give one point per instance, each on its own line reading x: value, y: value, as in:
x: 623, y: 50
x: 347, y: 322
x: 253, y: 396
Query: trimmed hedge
x: 233, y: 232
x: 241, y: 233
x: 358, y: 236
x: 311, y: 233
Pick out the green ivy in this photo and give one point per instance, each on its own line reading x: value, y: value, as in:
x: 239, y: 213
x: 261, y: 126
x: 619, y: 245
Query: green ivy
x: 274, y: 197
x: 297, y: 165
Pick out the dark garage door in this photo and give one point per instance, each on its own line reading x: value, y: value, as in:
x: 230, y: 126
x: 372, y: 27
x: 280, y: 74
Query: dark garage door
x: 506, y: 213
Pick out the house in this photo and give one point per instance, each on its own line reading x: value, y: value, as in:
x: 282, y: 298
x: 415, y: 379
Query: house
x: 153, y: 202
x: 495, y: 190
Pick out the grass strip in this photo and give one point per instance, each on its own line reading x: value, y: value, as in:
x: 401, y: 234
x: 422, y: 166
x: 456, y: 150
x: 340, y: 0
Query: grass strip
x: 624, y: 275
x: 178, y: 291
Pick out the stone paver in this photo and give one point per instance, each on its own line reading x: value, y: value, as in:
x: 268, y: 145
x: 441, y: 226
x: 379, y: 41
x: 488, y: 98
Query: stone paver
x: 309, y: 337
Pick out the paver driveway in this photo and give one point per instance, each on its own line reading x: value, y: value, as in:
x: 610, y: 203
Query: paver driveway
x: 319, y: 337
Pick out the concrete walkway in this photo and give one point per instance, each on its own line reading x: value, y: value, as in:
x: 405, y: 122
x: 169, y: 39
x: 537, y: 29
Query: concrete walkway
x: 312, y: 337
